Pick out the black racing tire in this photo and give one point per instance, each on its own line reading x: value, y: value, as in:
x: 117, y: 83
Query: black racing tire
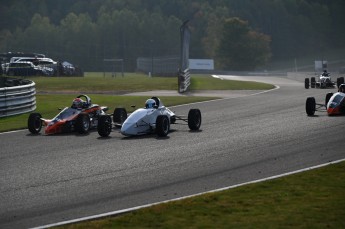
x: 312, y: 82
x: 119, y: 115
x: 162, y: 125
x: 194, y: 119
x: 82, y: 124
x: 35, y: 123
x: 310, y: 106
x: 306, y: 83
x: 104, y: 125
x: 338, y: 82
x: 327, y: 98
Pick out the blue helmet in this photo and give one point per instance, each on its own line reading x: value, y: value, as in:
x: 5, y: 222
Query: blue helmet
x: 150, y: 103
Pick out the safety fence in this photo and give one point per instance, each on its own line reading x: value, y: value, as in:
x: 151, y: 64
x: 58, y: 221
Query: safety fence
x: 17, y: 96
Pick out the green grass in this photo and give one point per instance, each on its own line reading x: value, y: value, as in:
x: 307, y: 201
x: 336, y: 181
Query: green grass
x: 312, y: 199
x: 132, y: 82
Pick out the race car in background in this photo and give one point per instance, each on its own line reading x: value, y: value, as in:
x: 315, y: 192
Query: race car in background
x: 80, y: 117
x: 153, y: 118
x: 324, y: 81
x: 334, y: 103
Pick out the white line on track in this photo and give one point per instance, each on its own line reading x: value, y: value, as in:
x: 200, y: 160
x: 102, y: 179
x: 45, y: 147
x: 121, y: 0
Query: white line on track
x: 14, y: 131
x: 113, y: 213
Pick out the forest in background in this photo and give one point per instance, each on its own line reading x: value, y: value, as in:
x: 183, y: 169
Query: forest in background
x: 86, y: 32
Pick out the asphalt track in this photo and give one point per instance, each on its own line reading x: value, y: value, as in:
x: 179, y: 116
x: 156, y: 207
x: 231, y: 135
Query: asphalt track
x: 49, y: 179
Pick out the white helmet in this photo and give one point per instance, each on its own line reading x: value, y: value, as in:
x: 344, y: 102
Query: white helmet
x: 150, y: 103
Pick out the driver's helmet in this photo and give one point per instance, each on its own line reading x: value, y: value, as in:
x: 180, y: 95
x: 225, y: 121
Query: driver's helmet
x: 342, y: 88
x: 77, y: 103
x: 150, y: 103
x: 325, y: 73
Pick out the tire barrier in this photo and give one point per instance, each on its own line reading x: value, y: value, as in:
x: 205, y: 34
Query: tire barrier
x: 17, y: 96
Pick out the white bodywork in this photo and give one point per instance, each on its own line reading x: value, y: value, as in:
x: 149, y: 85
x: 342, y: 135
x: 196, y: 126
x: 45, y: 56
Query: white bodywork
x: 324, y: 79
x: 143, y: 120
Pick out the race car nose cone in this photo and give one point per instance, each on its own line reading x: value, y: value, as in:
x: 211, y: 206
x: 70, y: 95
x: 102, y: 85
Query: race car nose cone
x: 128, y: 129
x: 333, y: 111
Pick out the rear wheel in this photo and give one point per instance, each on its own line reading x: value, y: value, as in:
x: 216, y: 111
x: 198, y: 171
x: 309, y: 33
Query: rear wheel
x: 82, y: 124
x: 310, y: 106
x: 312, y: 82
x: 194, y: 119
x: 104, y: 125
x: 306, y: 83
x: 35, y: 123
x: 119, y: 115
x: 162, y: 125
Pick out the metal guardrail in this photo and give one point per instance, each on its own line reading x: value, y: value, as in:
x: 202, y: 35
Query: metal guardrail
x: 17, y: 97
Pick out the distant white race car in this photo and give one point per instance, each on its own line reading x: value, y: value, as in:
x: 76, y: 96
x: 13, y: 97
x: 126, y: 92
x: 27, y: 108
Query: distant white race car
x: 324, y: 81
x: 154, y: 118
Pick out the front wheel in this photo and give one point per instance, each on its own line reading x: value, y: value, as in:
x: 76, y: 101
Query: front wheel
x: 310, y: 106
x: 35, y: 123
x: 162, y: 125
x: 328, y: 97
x: 82, y: 124
x: 194, y: 119
x: 340, y: 81
x: 104, y: 125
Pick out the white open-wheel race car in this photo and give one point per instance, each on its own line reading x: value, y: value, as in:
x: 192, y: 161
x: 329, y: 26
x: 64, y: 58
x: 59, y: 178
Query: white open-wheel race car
x: 323, y: 81
x: 334, y: 103
x: 154, y: 118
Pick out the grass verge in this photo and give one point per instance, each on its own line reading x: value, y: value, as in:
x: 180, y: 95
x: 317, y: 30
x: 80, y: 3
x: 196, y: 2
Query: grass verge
x: 312, y: 199
x: 132, y: 82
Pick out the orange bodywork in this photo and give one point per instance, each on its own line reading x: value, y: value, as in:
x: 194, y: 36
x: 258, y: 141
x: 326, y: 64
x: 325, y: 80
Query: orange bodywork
x: 333, y: 111
x: 58, y: 126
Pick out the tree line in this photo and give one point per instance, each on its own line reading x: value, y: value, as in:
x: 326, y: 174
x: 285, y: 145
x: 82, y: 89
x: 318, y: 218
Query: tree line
x: 87, y: 32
